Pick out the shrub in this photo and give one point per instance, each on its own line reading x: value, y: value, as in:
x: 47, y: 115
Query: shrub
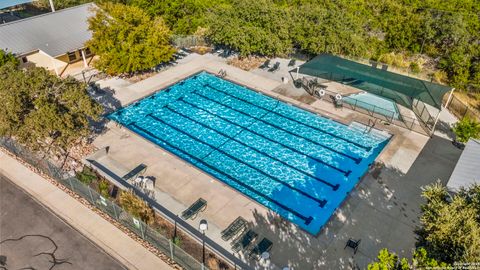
x: 86, y: 176
x: 7, y: 58
x: 415, y: 67
x: 136, y: 207
x: 440, y: 76
x: 390, y: 261
x: 466, y: 128
x: 103, y: 188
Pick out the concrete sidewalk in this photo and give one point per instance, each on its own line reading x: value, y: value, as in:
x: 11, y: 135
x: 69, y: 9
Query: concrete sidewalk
x: 105, y: 235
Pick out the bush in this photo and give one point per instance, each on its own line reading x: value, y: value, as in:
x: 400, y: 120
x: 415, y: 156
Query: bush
x: 415, y: 67
x: 466, y: 128
x: 390, y: 261
x: 86, y: 176
x: 104, y: 188
x: 7, y: 58
x: 440, y: 76
x: 136, y: 207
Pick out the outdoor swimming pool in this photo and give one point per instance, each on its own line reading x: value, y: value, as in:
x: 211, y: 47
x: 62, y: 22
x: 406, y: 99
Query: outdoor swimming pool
x: 294, y: 162
x: 377, y: 104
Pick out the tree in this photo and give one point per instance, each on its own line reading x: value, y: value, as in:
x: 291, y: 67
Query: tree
x: 251, y: 27
x: 182, y: 16
x: 42, y: 110
x: 451, y: 225
x: 6, y: 57
x: 466, y: 128
x: 390, y: 261
x: 127, y: 39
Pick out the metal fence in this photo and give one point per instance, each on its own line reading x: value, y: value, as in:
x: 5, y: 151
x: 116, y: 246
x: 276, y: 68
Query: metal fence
x: 152, y: 236
x: 460, y: 109
x: 395, y: 118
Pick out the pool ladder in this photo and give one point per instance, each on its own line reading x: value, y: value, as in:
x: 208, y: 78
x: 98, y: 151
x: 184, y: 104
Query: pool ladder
x: 370, y: 126
x: 222, y: 73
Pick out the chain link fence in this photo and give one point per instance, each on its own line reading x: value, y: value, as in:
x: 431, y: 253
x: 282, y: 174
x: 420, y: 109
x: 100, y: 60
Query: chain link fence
x: 117, y: 213
x: 460, y: 109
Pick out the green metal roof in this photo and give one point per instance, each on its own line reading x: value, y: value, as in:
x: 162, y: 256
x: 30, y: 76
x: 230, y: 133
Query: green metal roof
x: 401, y: 88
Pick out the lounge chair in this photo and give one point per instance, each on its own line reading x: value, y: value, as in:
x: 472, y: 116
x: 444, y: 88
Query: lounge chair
x: 384, y: 67
x: 275, y: 67
x: 264, y: 246
x: 266, y: 64
x: 353, y: 244
x: 292, y: 63
x: 234, y: 228
x: 244, y: 240
x: 135, y: 172
x: 192, y: 211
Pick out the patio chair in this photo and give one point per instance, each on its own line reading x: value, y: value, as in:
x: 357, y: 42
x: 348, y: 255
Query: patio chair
x: 244, y: 241
x: 135, y: 172
x: 266, y: 64
x: 264, y: 246
x: 292, y: 63
x: 238, y: 225
x: 275, y: 67
x: 149, y: 184
x: 353, y: 244
x: 192, y: 211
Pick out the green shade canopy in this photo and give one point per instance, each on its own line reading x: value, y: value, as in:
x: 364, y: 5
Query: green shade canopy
x: 402, y: 89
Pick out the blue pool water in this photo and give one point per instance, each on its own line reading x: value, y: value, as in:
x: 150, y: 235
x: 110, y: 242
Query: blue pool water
x: 296, y: 163
x: 372, y: 102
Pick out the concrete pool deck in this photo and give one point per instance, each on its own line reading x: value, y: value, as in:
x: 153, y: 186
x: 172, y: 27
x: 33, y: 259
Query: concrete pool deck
x: 383, y: 210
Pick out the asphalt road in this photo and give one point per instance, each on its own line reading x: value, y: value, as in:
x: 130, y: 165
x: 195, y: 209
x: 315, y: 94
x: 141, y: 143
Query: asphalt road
x: 32, y: 237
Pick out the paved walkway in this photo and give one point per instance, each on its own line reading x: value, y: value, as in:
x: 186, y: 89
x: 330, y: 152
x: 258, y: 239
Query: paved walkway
x: 105, y: 235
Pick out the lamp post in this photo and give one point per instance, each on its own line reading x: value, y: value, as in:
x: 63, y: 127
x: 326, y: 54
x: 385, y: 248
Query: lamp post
x: 265, y: 259
x: 203, y: 226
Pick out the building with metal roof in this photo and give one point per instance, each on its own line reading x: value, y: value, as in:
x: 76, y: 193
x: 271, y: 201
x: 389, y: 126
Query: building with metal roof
x: 466, y: 172
x: 52, y: 40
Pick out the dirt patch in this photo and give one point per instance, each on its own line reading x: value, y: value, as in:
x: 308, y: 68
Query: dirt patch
x: 246, y: 63
x: 304, y: 98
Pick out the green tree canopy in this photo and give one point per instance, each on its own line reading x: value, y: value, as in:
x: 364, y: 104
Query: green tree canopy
x: 41, y: 109
x: 451, y: 225
x: 182, y: 16
x: 7, y: 58
x: 127, y: 39
x: 251, y: 27
x: 466, y: 128
x: 390, y: 261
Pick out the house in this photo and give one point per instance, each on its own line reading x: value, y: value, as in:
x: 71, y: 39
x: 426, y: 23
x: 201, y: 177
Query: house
x: 53, y: 40
x: 466, y: 172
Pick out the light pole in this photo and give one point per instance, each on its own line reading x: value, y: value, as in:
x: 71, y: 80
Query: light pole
x: 203, y: 226
x: 266, y: 259
x: 52, y: 6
